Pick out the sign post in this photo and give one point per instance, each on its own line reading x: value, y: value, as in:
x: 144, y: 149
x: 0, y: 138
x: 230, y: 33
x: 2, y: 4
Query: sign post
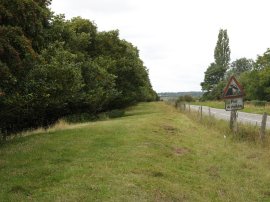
x: 233, y: 95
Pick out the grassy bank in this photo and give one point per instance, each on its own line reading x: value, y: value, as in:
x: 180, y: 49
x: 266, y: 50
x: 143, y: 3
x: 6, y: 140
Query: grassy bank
x: 249, y: 108
x: 154, y: 153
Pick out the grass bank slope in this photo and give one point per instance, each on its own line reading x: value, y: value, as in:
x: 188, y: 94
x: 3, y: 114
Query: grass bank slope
x: 154, y: 153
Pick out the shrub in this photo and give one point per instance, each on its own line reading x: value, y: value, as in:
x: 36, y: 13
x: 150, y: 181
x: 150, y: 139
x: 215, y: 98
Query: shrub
x: 116, y: 113
x: 259, y: 102
x: 79, y: 118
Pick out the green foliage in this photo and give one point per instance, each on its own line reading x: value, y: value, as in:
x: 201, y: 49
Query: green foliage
x: 185, y: 98
x: 51, y: 67
x: 116, y: 113
x: 31, y: 16
x: 256, y: 83
x: 214, y: 76
x: 263, y: 61
x: 222, y: 53
x: 80, y: 118
x: 240, y: 66
x: 210, y: 78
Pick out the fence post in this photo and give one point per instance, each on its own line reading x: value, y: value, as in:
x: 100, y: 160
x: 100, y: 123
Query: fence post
x: 189, y: 108
x: 209, y: 111
x: 263, y: 126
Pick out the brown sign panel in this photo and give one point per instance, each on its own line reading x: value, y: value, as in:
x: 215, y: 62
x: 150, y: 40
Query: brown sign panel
x: 233, y: 89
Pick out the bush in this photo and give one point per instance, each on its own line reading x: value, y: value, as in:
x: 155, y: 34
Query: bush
x: 116, y: 113
x: 185, y: 98
x: 259, y: 102
x: 79, y: 118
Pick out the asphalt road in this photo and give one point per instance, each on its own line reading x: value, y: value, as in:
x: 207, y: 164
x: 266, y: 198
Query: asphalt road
x: 253, y: 119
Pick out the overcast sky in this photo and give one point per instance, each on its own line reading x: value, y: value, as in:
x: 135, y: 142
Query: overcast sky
x: 176, y: 38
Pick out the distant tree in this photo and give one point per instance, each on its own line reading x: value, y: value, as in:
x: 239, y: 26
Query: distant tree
x: 186, y: 98
x: 263, y: 61
x: 256, y: 83
x: 239, y: 66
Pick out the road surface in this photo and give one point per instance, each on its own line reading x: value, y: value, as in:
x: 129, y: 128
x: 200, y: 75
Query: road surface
x: 253, y: 119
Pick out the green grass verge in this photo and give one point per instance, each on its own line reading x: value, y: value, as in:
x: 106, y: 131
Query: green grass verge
x: 249, y: 108
x: 154, y: 153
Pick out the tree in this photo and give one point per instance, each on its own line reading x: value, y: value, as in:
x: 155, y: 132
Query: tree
x: 132, y: 81
x: 256, y: 83
x: 240, y: 66
x: 51, y: 68
x: 31, y: 16
x: 210, y: 78
x: 215, y: 73
x: 222, y: 53
x: 263, y: 61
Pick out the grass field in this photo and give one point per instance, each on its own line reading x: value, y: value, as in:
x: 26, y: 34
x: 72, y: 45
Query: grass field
x: 154, y: 153
x: 249, y: 108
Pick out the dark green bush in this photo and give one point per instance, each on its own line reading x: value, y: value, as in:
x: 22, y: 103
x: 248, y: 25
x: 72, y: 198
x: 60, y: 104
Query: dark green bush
x: 79, y: 118
x: 116, y: 113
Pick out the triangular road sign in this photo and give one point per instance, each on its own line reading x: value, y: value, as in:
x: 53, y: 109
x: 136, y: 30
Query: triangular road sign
x: 233, y: 89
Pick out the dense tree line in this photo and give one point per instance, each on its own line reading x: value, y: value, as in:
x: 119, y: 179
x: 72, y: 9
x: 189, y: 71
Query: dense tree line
x: 253, y: 75
x: 51, y: 67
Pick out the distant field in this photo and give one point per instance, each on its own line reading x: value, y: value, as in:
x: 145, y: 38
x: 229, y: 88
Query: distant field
x: 154, y: 153
x: 247, y: 107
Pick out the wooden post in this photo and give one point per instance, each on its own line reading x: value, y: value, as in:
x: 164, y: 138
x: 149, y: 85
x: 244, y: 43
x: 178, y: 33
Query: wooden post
x: 263, y: 126
x: 209, y: 111
x: 201, y: 113
x: 233, y: 121
x: 189, y: 108
x: 235, y: 126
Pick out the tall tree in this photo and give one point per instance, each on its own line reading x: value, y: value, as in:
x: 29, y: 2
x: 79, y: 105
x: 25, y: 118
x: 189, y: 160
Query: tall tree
x: 222, y: 53
x: 214, y: 75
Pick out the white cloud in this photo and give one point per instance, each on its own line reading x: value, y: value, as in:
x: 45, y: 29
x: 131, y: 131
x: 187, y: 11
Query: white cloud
x: 176, y: 38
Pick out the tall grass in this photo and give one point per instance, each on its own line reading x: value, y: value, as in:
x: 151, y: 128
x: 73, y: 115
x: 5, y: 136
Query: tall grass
x: 249, y: 107
x: 245, y: 132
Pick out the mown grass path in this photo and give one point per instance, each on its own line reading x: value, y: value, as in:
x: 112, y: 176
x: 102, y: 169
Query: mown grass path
x: 154, y: 153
